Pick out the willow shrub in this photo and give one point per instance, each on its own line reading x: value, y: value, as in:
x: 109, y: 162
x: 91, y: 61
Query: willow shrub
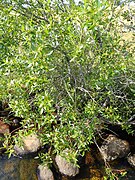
x: 64, y: 71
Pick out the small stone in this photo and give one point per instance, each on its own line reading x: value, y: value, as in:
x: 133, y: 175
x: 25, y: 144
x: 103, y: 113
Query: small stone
x: 113, y: 148
x: 131, y: 160
x: 44, y: 173
x: 31, y: 143
x: 65, y: 167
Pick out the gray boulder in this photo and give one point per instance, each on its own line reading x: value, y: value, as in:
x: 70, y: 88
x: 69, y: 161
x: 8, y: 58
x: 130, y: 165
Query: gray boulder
x: 31, y: 143
x: 65, y: 167
x: 113, y: 148
x: 44, y: 173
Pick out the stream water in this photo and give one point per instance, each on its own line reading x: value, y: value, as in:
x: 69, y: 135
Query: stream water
x: 92, y: 168
x: 18, y: 168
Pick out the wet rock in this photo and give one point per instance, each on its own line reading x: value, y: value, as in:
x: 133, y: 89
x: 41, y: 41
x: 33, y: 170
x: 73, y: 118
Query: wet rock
x: 131, y: 160
x: 44, y: 173
x: 65, y: 167
x: 31, y: 143
x: 113, y: 148
x: 4, y: 128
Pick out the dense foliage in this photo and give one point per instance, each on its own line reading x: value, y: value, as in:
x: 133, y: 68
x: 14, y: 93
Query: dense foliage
x: 65, y: 70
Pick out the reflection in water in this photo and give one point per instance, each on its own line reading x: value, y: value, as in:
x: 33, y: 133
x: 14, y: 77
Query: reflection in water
x: 18, y: 168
